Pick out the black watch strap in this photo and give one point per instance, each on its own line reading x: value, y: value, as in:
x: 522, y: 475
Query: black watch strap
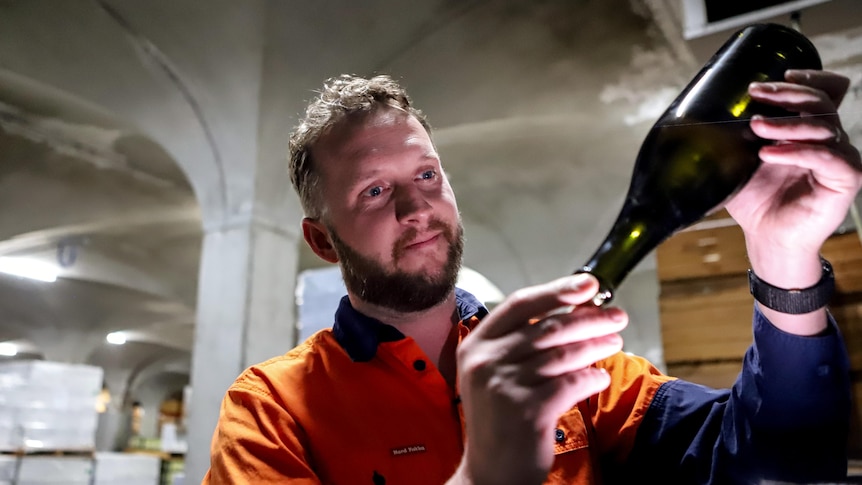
x: 794, y: 301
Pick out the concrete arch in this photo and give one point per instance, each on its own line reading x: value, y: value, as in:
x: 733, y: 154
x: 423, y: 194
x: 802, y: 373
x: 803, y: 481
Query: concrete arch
x: 115, y: 64
x: 127, y: 366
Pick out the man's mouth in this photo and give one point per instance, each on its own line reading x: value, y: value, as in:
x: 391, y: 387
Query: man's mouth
x: 423, y: 241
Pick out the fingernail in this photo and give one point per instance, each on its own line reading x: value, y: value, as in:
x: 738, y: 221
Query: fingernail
x: 614, y: 339
x: 758, y: 117
x: 572, y: 288
x: 796, y: 74
x: 616, y: 314
x: 763, y: 87
x: 579, y: 281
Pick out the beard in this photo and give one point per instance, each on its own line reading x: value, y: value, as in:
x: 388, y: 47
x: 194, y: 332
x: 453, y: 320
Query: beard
x: 399, y: 290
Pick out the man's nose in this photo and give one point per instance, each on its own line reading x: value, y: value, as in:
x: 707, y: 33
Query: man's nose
x: 411, y: 205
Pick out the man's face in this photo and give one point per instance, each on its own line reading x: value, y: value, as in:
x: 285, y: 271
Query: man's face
x: 391, y: 214
x: 398, y: 290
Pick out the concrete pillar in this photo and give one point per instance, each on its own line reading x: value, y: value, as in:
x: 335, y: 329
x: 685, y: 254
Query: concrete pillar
x: 113, y: 429
x: 117, y: 381
x: 245, y: 316
x: 250, y: 257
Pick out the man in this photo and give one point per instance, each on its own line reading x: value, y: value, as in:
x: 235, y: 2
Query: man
x: 409, y: 387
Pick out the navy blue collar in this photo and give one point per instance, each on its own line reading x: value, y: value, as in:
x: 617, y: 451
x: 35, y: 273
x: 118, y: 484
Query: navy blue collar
x: 360, y: 335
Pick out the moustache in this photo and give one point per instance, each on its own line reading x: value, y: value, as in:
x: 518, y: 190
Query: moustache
x: 409, y: 235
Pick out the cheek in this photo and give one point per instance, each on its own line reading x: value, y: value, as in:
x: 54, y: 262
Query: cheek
x: 448, y: 202
x: 370, y: 236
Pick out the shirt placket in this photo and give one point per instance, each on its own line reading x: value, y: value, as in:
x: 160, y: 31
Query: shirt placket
x: 406, y: 356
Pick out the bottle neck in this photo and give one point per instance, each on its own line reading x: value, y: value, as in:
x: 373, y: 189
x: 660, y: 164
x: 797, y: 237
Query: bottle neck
x: 635, y: 233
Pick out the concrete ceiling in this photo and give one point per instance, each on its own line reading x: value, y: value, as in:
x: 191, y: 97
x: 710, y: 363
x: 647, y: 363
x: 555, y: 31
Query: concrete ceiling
x: 539, y: 108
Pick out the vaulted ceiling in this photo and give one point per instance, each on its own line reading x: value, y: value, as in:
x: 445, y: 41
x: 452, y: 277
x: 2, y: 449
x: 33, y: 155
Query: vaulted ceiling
x: 538, y: 106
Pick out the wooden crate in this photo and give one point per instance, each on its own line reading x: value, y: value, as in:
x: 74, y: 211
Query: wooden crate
x: 720, y: 251
x: 705, y: 320
x: 703, y: 253
x: 706, y: 309
x: 845, y: 253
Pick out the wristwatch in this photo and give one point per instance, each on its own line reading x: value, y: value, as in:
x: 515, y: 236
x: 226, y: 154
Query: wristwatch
x: 794, y: 301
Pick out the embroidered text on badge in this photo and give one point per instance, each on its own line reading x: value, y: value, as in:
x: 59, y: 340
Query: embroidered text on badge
x: 407, y: 450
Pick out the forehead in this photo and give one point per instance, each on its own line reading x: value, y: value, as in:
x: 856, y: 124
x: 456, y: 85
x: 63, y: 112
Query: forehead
x: 385, y: 134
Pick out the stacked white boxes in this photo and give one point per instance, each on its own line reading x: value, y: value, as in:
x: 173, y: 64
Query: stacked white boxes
x: 55, y: 470
x: 48, y: 406
x: 127, y: 469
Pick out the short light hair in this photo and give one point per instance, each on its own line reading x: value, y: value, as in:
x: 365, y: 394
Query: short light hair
x: 341, y: 97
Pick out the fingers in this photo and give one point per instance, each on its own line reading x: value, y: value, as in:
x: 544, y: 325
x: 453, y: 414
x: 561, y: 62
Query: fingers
x: 513, y: 360
x: 834, y: 85
x: 563, y: 329
x: 518, y: 377
x: 815, y: 95
x: 572, y: 357
x: 552, y: 349
x: 579, y: 324
x: 840, y: 171
x: 561, y: 393
x: 822, y: 129
x: 815, y: 92
x: 528, y: 303
x: 793, y: 97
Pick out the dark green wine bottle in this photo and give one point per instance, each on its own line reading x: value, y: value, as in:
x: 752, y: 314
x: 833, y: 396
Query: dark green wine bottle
x: 701, y: 151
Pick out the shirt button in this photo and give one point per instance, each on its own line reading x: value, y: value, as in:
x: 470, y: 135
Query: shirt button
x: 559, y: 435
x: 419, y: 364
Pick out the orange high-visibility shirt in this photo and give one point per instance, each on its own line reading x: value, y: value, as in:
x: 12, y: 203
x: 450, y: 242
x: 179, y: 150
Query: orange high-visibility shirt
x: 362, y: 404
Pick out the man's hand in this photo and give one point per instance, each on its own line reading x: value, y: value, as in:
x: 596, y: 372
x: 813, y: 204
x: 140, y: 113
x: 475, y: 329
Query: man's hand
x: 802, y: 191
x: 809, y: 178
x: 524, y: 366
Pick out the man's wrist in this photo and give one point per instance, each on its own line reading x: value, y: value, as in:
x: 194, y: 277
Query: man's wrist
x: 785, y: 267
x: 788, y: 266
x: 794, y: 300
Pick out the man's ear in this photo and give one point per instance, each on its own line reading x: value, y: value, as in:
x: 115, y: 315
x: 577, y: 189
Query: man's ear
x: 317, y: 237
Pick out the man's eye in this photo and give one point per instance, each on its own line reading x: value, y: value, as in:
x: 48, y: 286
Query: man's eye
x: 428, y: 174
x: 374, y: 191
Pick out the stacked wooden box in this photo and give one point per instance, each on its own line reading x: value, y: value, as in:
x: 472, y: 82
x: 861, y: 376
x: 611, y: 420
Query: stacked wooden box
x: 706, y: 309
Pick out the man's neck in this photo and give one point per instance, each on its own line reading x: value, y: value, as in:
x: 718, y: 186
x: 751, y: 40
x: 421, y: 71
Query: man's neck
x: 429, y: 328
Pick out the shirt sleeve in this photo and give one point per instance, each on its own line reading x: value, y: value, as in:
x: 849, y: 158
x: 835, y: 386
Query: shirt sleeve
x: 786, y: 417
x: 256, y: 441
x: 617, y: 412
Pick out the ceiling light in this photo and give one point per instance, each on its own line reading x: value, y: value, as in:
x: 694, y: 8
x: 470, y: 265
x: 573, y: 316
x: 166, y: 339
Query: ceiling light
x: 8, y: 349
x: 116, y: 338
x: 29, y: 268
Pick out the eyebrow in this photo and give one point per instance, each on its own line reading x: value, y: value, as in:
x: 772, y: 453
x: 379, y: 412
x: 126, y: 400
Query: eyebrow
x: 364, y: 178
